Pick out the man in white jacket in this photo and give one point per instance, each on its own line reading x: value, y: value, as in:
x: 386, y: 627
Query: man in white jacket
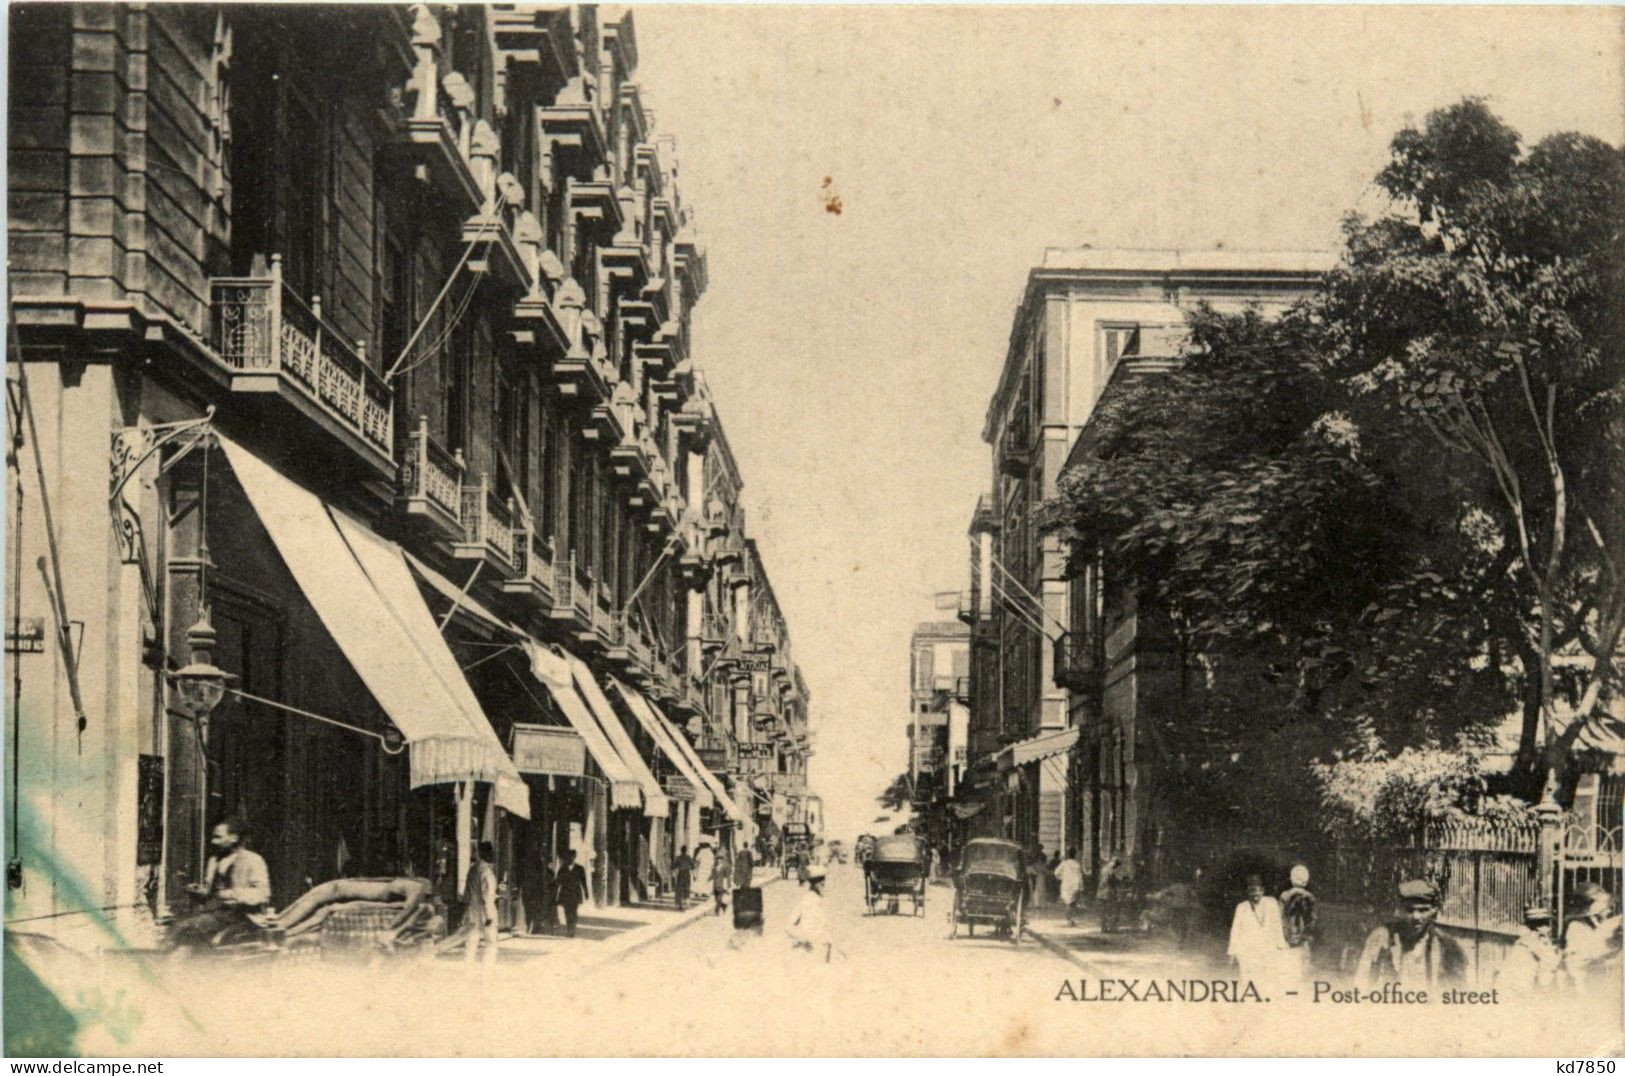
x: 1257, y: 941
x: 809, y: 926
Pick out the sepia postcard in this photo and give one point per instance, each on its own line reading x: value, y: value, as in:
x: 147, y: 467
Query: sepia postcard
x: 798, y: 531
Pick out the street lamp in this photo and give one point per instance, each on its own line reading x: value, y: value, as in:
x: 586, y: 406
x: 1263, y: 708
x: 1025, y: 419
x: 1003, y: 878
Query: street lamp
x: 200, y: 684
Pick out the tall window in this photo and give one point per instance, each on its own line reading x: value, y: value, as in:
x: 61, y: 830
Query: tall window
x: 552, y: 478
x: 279, y: 158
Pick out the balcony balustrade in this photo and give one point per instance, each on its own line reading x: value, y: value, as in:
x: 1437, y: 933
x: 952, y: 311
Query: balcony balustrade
x: 488, y: 528
x: 532, y: 567
x: 272, y: 343
x: 431, y: 482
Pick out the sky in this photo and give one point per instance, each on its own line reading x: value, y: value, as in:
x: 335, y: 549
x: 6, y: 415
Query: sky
x: 852, y: 355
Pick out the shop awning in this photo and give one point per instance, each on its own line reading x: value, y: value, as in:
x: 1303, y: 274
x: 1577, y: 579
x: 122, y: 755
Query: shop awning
x: 1037, y: 748
x: 655, y: 804
x: 660, y: 730
x: 707, y: 778
x: 359, y: 585
x: 554, y: 672
x: 464, y: 602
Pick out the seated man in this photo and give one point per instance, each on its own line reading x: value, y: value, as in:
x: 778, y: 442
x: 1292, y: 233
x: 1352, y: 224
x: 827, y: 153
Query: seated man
x: 236, y: 888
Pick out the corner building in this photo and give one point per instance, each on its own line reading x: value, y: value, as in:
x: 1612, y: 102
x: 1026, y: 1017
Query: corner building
x: 1048, y: 765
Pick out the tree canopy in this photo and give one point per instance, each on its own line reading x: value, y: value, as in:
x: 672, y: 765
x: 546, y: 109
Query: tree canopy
x: 1388, y: 512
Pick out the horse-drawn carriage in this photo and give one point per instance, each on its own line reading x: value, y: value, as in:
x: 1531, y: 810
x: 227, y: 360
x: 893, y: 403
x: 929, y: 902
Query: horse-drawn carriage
x: 894, y: 869
x: 989, y: 888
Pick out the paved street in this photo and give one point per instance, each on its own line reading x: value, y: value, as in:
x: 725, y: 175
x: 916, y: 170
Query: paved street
x: 690, y: 984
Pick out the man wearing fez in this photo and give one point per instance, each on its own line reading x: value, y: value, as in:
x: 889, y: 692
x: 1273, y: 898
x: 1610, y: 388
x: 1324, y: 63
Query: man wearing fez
x: 1411, y: 949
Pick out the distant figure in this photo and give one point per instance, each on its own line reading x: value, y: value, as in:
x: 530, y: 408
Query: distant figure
x: 1256, y: 939
x: 1037, y: 891
x: 1069, y: 876
x: 722, y: 876
x: 682, y: 870
x: 1106, y: 892
x: 704, y: 859
x: 1300, y: 924
x: 1534, y: 964
x: 744, y: 868
x: 1591, y: 942
x: 1410, y: 949
x: 571, y: 889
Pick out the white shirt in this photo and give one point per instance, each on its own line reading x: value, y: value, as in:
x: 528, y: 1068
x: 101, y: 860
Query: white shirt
x: 809, y: 923
x: 1255, y: 932
x: 1070, y: 875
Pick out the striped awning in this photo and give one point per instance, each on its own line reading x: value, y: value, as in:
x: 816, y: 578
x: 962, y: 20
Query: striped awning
x: 1037, y: 748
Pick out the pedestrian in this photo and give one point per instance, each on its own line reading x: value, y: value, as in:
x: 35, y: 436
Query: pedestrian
x: 1051, y: 879
x: 1410, y: 949
x: 722, y: 876
x: 704, y: 859
x: 1105, y: 892
x: 1591, y: 942
x: 744, y: 868
x: 809, y: 925
x: 570, y: 889
x: 479, y: 925
x: 1037, y: 891
x: 1256, y: 938
x: 1069, y: 876
x: 1299, y: 922
x: 1534, y: 964
x: 682, y: 875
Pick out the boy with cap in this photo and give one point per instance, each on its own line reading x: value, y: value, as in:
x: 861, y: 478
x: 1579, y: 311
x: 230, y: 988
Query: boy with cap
x: 1410, y: 949
x: 1299, y: 923
x: 1534, y: 962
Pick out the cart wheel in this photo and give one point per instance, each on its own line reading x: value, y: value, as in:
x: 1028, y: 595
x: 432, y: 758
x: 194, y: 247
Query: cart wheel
x: 1020, y: 919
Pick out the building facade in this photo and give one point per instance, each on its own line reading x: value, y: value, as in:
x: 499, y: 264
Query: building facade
x: 1087, y: 316
x: 420, y: 527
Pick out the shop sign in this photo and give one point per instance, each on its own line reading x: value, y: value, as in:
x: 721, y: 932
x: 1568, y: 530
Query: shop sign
x: 678, y: 787
x: 755, y: 750
x: 714, y: 759
x: 29, y: 638
x: 545, y: 749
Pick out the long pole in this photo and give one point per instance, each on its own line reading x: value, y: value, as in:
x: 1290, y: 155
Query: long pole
x: 14, y: 463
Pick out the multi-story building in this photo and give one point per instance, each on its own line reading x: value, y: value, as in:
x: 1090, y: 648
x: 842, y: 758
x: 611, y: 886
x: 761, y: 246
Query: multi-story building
x: 1087, y: 317
x: 420, y: 516
x: 939, y: 683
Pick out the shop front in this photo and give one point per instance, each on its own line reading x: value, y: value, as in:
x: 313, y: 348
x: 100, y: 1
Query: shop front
x: 344, y: 736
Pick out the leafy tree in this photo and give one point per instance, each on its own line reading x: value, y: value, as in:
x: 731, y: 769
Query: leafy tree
x: 1387, y: 519
x: 1486, y: 306
x: 898, y: 794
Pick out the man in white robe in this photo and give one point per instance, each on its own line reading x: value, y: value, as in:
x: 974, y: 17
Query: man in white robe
x: 1257, y: 942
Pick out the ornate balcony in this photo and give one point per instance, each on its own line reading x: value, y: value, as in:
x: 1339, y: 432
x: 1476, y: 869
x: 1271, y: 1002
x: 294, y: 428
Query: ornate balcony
x: 488, y: 528
x: 431, y: 482
x: 566, y: 605
x: 714, y: 633
x: 532, y: 575
x: 274, y: 345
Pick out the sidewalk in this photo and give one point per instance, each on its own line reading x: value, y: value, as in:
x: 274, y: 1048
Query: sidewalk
x: 604, y: 935
x: 1085, y: 946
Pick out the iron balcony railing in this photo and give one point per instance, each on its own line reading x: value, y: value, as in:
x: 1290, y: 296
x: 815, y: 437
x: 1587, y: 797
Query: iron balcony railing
x: 431, y: 478
x: 488, y: 525
x: 261, y: 326
x: 1080, y: 659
